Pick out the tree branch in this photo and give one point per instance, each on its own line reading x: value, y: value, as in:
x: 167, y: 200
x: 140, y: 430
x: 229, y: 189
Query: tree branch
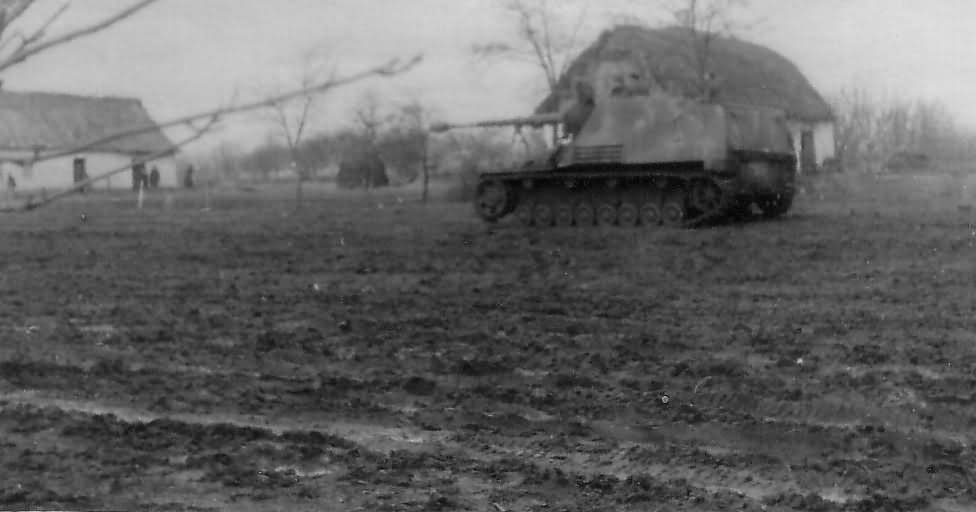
x: 42, y: 30
x: 8, y: 15
x: 302, y: 120
x: 489, y: 50
x: 30, y: 50
x: 392, y: 68
x: 281, y: 117
x: 544, y: 38
x: 571, y: 43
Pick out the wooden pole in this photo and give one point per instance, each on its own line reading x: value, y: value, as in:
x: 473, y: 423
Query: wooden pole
x: 206, y: 194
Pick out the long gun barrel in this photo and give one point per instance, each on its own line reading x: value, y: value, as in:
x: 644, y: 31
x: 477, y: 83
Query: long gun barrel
x: 532, y: 121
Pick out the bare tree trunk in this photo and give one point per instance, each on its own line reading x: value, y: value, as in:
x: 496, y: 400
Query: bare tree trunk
x: 426, y: 170
x: 298, y: 192
x: 206, y: 194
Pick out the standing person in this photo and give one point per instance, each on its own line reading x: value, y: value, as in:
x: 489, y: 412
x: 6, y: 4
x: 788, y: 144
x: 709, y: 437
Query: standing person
x: 188, y: 178
x: 11, y: 185
x: 138, y: 176
x: 154, y: 177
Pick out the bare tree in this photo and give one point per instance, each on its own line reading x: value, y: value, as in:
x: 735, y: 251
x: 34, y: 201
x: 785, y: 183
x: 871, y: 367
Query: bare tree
x: 410, y: 140
x: 703, y: 22
x: 876, y: 133
x: 370, y: 120
x: 19, y: 43
x: 546, y: 36
x: 292, y: 119
x: 369, y: 116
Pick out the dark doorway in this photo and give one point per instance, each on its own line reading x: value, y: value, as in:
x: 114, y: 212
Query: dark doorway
x: 808, y: 154
x: 79, y: 172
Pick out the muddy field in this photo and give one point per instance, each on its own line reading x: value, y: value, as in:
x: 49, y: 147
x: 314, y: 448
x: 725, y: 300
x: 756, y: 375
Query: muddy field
x: 359, y: 357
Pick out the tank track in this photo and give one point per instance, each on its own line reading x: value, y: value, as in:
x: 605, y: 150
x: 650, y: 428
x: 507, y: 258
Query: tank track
x: 677, y: 200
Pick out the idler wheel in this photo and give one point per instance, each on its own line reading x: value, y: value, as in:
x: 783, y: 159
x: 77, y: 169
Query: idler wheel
x: 492, y: 199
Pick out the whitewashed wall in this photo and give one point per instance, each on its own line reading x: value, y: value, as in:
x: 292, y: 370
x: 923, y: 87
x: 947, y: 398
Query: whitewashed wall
x: 59, y: 173
x: 825, y: 142
x: 824, y: 145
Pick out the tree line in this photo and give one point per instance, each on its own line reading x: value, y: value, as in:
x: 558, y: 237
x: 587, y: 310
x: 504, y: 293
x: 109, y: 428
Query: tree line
x: 874, y: 133
x: 396, y: 133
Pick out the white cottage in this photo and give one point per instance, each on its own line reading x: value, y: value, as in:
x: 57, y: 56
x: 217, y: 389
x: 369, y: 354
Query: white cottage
x: 745, y: 73
x: 34, y: 124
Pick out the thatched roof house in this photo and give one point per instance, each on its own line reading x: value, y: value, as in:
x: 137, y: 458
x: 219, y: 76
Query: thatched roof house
x: 748, y: 73
x: 744, y: 73
x: 47, y: 121
x: 33, y: 123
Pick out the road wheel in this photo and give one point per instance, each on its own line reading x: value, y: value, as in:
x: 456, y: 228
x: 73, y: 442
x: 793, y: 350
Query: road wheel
x: 564, y: 214
x: 606, y: 214
x: 650, y: 214
x: 524, y: 212
x: 584, y: 214
x: 673, y: 211
x: 628, y: 214
x: 543, y: 214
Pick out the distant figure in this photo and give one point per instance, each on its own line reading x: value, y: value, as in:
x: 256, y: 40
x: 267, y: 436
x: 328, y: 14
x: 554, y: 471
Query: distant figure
x: 154, y: 178
x: 139, y: 178
x: 188, y: 178
x: 11, y: 185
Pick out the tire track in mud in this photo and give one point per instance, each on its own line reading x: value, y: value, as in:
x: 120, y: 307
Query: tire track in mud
x: 374, y: 438
x: 751, y: 481
x: 363, y: 463
x: 380, y: 440
x: 624, y: 463
x: 176, y: 390
x: 852, y: 413
x: 203, y: 463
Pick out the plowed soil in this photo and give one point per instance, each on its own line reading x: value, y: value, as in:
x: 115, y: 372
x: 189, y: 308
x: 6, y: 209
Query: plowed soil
x: 366, y: 354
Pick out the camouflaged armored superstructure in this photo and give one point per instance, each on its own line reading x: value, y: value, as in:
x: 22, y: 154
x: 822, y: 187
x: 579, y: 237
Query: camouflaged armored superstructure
x: 646, y: 158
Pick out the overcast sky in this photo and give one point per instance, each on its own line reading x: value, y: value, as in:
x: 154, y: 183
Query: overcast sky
x: 179, y: 56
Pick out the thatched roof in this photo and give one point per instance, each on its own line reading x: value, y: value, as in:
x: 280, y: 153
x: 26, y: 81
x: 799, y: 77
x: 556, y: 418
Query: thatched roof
x: 745, y: 72
x: 47, y: 121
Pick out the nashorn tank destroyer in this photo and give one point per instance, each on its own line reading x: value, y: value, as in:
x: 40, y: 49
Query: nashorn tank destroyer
x: 646, y: 159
